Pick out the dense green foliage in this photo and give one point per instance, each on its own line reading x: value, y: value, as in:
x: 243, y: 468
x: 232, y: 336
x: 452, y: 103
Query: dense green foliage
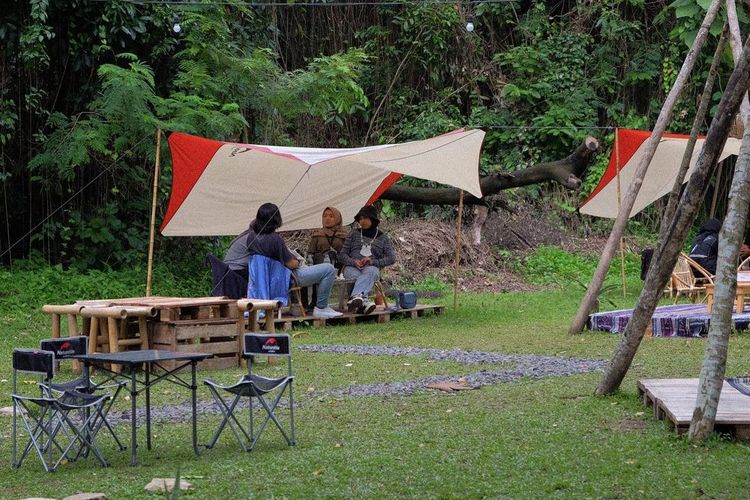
x: 84, y: 84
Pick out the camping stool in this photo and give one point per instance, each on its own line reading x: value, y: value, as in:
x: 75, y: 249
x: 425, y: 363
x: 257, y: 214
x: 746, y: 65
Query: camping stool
x: 254, y: 386
x: 114, y: 333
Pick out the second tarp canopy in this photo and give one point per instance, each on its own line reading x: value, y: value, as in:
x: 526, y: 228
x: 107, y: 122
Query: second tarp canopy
x: 217, y: 186
x: 659, y: 178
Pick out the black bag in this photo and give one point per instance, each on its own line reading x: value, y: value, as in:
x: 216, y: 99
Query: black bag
x: 407, y: 300
x: 646, y: 255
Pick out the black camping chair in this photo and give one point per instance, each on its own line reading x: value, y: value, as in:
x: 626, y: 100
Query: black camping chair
x: 255, y: 386
x: 58, y: 428
x: 66, y: 348
x: 224, y: 281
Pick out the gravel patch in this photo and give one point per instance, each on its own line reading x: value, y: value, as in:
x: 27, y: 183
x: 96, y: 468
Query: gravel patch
x: 521, y: 366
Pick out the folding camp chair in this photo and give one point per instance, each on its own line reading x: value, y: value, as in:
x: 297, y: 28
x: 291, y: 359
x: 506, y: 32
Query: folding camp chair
x: 59, y: 428
x: 66, y: 348
x: 255, y: 386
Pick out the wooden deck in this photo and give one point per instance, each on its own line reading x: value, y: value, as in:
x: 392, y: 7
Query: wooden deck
x: 674, y: 401
x: 286, y: 323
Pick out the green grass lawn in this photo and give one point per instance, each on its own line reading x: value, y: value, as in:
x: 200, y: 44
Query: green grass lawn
x: 532, y: 438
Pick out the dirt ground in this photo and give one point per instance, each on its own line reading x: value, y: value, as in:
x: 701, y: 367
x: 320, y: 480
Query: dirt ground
x: 425, y: 248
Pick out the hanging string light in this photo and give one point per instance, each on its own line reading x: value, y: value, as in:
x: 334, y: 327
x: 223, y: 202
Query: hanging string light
x: 176, y: 24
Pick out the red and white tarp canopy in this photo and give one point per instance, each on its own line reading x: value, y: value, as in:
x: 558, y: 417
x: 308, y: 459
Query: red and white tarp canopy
x: 217, y: 186
x: 659, y: 178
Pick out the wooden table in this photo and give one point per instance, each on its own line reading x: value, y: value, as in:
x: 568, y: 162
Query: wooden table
x: 192, y: 324
x: 743, y: 290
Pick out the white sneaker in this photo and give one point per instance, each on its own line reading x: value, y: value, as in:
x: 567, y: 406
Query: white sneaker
x: 326, y: 313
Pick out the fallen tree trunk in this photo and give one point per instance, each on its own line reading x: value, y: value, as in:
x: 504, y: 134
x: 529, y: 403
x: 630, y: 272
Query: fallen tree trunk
x: 568, y: 172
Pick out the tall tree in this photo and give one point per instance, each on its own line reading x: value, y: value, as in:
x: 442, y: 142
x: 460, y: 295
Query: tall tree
x: 714, y: 361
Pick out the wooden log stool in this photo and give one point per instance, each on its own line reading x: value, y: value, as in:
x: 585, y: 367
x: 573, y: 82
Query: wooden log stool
x: 72, y: 312
x: 110, y: 326
x: 253, y: 307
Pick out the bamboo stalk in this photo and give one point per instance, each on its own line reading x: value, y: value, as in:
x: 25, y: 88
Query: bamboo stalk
x: 55, y: 326
x: 687, y: 156
x: 149, y: 272
x: 717, y: 187
x: 139, y: 311
x: 253, y: 304
x: 104, y: 312
x: 61, y: 309
x: 72, y: 325
x: 458, y: 247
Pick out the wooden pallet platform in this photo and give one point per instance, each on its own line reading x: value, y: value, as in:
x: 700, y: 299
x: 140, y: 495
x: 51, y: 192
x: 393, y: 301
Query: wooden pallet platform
x: 674, y: 401
x: 286, y: 323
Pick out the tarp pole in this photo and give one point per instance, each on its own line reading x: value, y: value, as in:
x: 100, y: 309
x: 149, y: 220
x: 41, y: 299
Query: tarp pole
x: 619, y: 202
x: 458, y: 247
x: 152, y: 227
x: 715, y: 198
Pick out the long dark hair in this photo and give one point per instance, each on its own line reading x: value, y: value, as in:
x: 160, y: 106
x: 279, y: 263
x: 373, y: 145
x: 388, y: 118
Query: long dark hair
x: 267, y: 220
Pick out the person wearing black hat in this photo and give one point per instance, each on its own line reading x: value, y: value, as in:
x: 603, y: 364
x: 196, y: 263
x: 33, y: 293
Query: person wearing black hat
x: 365, y: 252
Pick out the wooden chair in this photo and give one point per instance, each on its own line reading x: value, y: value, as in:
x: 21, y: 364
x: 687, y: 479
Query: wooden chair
x: 744, y: 265
x: 688, y: 278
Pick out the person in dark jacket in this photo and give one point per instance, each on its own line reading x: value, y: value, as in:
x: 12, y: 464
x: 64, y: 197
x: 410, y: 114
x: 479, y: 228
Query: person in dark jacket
x: 327, y: 242
x: 705, y: 247
x: 261, y: 238
x: 365, y: 252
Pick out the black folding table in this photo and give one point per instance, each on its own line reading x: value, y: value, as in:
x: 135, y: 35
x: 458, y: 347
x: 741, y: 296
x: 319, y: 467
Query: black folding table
x: 150, y: 359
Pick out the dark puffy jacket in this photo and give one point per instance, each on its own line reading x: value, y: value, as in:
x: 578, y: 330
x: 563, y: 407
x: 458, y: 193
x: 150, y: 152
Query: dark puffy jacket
x: 706, y: 245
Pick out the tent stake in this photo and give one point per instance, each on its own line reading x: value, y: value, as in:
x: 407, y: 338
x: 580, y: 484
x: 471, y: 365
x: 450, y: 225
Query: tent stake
x: 458, y: 247
x: 149, y: 272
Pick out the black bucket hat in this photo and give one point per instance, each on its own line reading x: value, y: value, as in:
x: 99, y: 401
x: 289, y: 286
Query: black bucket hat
x: 368, y: 211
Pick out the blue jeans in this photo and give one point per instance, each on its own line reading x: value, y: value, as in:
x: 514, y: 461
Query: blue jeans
x: 365, y: 279
x: 321, y: 275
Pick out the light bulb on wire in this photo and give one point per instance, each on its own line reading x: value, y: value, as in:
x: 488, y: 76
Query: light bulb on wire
x: 470, y: 24
x: 176, y: 26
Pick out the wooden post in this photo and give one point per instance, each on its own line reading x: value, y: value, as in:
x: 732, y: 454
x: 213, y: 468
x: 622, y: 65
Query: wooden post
x: 619, y: 202
x: 55, y: 326
x: 150, y: 270
x: 458, y: 247
x: 715, y: 198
